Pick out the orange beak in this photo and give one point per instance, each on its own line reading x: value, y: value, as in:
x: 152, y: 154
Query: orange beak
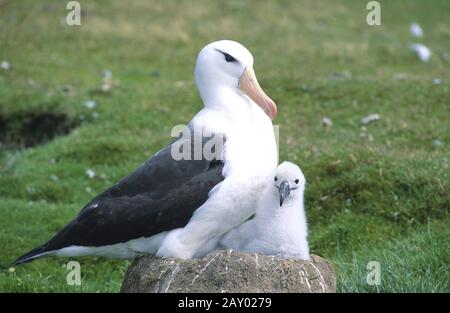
x: 250, y: 86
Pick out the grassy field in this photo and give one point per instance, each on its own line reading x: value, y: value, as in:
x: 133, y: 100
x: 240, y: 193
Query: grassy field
x: 375, y: 193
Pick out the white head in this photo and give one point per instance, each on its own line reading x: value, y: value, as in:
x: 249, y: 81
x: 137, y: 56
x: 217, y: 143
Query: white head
x: 228, y: 64
x: 289, y: 182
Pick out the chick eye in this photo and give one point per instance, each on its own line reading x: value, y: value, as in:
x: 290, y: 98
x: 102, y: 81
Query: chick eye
x: 296, y: 181
x: 275, y: 178
x: 229, y: 58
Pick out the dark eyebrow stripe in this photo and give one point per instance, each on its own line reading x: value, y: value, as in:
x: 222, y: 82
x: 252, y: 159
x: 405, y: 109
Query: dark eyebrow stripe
x: 219, y: 51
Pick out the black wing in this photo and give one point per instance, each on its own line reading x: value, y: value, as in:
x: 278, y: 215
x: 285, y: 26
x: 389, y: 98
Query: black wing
x: 160, y: 195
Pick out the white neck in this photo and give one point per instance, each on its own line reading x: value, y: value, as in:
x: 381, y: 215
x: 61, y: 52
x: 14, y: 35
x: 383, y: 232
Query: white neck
x: 229, y: 101
x: 250, y: 142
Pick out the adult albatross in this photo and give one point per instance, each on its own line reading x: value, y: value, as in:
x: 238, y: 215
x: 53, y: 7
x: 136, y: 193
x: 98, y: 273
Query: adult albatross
x: 180, y: 208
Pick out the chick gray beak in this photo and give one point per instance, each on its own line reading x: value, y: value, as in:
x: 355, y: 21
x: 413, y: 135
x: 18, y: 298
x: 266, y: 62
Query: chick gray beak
x: 284, y: 191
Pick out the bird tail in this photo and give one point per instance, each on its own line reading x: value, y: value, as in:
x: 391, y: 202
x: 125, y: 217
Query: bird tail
x: 31, y: 255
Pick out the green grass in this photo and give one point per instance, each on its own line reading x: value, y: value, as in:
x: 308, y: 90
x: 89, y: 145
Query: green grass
x: 419, y: 262
x: 385, y: 199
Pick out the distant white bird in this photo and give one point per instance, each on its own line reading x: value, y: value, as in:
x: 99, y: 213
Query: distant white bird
x: 90, y: 104
x: 370, y: 118
x: 279, y: 225
x: 5, y: 65
x: 422, y: 51
x: 416, y: 30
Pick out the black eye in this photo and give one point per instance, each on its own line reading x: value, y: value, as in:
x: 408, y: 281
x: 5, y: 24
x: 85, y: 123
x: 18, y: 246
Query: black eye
x: 296, y: 181
x: 229, y: 58
x: 275, y: 179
